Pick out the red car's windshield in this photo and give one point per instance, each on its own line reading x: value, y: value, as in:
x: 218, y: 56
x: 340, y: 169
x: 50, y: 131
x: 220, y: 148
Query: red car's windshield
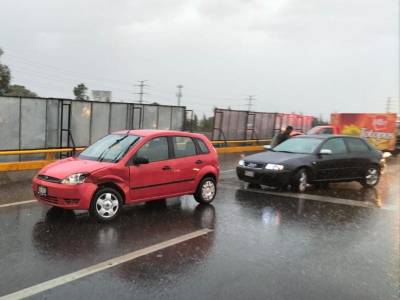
x: 110, y: 148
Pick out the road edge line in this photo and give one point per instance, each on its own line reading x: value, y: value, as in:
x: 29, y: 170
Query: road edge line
x: 17, y: 203
x: 318, y: 198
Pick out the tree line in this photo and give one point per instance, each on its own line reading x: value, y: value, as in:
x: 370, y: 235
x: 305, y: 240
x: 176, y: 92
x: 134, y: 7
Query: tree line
x: 8, y: 89
x: 205, y: 124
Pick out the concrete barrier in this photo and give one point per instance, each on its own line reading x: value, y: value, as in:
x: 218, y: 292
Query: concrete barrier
x: 50, y: 154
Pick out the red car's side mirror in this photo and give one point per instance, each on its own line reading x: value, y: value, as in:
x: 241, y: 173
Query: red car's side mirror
x: 139, y: 161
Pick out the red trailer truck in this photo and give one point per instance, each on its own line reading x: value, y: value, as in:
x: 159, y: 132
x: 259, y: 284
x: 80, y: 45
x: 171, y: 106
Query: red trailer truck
x: 379, y: 129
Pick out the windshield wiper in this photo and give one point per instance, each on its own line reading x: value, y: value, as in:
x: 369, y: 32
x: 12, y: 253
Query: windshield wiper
x: 118, y: 157
x: 101, y: 156
x: 285, y: 151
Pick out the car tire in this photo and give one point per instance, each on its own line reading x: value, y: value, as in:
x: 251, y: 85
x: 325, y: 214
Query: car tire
x: 371, y: 177
x: 106, y: 204
x: 300, y: 181
x: 206, y: 190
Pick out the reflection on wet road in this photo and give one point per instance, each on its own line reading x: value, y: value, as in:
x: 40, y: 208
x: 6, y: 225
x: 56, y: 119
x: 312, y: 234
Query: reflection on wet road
x: 264, y: 245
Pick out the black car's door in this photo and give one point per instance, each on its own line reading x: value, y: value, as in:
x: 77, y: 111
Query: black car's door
x: 359, y: 154
x: 332, y: 162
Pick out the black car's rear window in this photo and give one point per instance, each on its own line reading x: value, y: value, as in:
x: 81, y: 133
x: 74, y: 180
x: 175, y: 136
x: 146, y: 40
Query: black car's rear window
x: 357, y: 145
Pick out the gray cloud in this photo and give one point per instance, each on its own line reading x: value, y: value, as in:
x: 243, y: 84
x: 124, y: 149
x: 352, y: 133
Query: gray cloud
x: 310, y: 56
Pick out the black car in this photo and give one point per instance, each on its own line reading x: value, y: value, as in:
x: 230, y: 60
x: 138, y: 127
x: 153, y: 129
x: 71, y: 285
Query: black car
x: 313, y: 159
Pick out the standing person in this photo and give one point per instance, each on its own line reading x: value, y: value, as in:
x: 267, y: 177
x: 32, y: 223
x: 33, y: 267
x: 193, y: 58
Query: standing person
x: 281, y: 136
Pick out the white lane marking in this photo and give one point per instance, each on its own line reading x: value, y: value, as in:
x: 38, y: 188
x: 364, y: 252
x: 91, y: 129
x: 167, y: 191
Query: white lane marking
x: 317, y: 198
x: 391, y: 207
x: 50, y: 284
x: 227, y: 171
x: 328, y: 199
x: 17, y: 203
x: 320, y: 198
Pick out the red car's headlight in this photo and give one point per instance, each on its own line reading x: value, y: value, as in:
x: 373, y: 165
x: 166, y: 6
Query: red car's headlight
x: 76, y: 178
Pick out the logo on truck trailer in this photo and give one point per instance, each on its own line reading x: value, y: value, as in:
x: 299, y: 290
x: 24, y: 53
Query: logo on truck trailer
x: 379, y: 123
x: 367, y: 134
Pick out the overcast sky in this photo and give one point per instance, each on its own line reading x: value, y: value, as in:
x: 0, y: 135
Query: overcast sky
x: 309, y: 56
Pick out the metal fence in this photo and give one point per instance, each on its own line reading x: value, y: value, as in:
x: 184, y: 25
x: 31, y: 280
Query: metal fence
x: 300, y: 123
x: 32, y: 123
x: 244, y: 125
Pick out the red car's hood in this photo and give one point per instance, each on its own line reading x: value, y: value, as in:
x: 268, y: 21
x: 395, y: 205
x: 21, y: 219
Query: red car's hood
x: 65, y: 167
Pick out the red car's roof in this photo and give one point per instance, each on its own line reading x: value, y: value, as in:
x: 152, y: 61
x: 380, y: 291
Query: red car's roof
x: 157, y: 132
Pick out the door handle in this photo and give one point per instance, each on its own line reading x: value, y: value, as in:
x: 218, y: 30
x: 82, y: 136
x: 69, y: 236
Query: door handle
x: 198, y: 162
x: 166, y: 168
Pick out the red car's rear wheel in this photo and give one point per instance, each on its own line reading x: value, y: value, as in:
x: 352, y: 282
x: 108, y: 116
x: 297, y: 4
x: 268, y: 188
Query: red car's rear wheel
x: 206, y: 190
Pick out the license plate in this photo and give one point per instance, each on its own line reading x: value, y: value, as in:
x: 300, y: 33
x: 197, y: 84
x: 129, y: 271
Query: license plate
x: 249, y: 173
x: 42, y: 190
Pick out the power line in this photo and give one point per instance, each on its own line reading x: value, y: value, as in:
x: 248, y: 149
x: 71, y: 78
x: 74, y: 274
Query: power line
x: 55, y: 79
x: 51, y: 76
x: 85, y: 76
x: 388, y: 103
x: 60, y: 70
x: 250, y: 103
x: 52, y: 73
x: 60, y: 76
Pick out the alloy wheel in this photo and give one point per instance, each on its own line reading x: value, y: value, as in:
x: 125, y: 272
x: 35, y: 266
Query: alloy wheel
x: 372, y: 176
x: 208, y: 190
x: 303, y: 181
x: 107, y: 205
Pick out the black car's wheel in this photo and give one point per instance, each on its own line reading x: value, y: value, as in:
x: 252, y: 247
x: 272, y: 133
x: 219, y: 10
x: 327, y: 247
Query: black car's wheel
x: 106, y: 204
x: 300, y: 181
x: 206, y: 190
x: 371, y: 177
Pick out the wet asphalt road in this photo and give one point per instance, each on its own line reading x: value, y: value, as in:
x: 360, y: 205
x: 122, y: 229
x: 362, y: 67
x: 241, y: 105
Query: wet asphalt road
x: 263, y: 245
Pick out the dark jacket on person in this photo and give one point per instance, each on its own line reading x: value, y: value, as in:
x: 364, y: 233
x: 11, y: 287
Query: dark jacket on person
x: 279, y: 138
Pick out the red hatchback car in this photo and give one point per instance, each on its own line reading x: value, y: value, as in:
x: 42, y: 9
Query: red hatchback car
x: 129, y: 167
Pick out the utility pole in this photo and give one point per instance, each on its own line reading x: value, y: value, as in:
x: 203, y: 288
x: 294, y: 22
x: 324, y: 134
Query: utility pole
x: 141, y: 86
x: 179, y: 93
x: 388, y: 104
x: 250, y: 100
x: 392, y: 106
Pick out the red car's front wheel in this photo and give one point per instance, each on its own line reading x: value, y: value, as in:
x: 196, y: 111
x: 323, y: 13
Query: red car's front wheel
x: 106, y: 204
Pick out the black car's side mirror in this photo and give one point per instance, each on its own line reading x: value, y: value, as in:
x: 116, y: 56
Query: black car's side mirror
x: 139, y: 161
